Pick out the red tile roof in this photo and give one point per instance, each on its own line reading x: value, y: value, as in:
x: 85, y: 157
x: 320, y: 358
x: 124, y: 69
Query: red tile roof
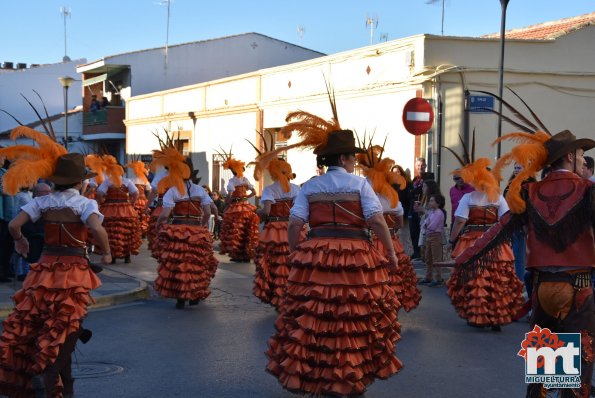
x: 549, y: 30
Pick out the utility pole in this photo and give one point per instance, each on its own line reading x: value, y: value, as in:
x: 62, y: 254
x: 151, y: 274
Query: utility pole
x: 65, y: 11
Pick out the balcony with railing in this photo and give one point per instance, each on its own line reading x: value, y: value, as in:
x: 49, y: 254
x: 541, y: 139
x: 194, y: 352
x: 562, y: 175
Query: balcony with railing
x: 106, y: 120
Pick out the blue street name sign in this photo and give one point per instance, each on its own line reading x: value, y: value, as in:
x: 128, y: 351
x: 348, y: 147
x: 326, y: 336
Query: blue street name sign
x: 481, y: 103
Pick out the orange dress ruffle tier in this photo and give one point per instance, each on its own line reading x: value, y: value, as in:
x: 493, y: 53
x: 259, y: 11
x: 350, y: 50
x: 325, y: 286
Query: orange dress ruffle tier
x: 186, y: 260
x: 49, y: 308
x: 152, y: 240
x: 271, y: 255
x: 337, y: 327
x: 239, y: 229
x: 121, y: 223
x: 494, y: 295
x: 140, y: 207
x: 404, y: 282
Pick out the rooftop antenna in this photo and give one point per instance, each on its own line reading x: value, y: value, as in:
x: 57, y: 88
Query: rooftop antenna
x: 168, y: 4
x: 65, y: 11
x: 384, y: 37
x: 372, y: 22
x: 434, y: 2
x: 301, y: 30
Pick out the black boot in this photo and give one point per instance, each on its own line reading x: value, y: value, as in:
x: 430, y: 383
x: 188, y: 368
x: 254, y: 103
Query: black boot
x: 496, y: 328
x: 85, y: 335
x: 193, y: 302
x: 127, y: 259
x: 180, y: 304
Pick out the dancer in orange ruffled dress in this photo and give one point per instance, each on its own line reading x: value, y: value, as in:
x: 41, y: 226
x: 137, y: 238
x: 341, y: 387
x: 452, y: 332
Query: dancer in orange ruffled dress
x: 272, y: 269
x: 144, y: 187
x: 492, y: 296
x: 379, y: 175
x: 39, y: 336
x: 337, y: 327
x: 239, y: 229
x: 116, y: 196
x: 186, y: 260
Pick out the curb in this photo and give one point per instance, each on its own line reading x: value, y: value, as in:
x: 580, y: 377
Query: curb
x: 140, y: 293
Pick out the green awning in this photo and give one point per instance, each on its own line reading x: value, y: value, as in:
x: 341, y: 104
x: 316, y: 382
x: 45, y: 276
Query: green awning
x: 96, y: 79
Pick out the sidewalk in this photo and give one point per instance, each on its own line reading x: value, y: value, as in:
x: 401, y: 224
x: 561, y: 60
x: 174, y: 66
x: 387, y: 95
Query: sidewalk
x: 116, y: 287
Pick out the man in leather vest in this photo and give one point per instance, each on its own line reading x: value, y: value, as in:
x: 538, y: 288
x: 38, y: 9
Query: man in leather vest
x: 559, y: 215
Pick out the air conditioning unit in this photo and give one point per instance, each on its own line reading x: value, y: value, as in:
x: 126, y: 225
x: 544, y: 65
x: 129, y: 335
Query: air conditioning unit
x: 8, y: 65
x: 21, y: 65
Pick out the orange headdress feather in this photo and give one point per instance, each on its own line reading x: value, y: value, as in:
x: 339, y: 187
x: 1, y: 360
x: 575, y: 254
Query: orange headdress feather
x: 29, y: 163
x: 96, y: 164
x: 113, y: 170
x: 139, y: 170
x: 170, y: 157
x: 278, y: 169
x: 379, y: 171
x: 530, y: 152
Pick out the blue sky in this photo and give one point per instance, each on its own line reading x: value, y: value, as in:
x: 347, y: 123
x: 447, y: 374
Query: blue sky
x: 32, y: 31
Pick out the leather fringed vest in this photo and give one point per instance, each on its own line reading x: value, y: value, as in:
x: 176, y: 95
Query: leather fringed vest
x: 187, y: 212
x: 337, y: 216
x: 560, y: 219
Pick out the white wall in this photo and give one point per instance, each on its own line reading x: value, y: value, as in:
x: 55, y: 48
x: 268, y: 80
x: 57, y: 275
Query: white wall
x: 44, y: 80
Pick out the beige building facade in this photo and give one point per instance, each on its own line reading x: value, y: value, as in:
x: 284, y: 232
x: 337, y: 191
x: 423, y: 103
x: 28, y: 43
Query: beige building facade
x: 554, y: 75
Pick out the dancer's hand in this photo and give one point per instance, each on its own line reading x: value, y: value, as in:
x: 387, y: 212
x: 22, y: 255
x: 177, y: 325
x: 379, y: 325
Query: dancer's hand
x: 106, y: 258
x: 21, y: 246
x: 393, y: 263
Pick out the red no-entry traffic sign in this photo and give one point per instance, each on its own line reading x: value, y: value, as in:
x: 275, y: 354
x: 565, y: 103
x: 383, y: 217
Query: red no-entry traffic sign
x: 418, y: 116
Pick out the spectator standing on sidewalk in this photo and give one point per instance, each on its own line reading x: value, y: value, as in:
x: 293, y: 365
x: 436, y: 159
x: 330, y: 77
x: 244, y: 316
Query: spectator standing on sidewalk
x: 434, y: 236
x: 456, y: 193
x: 416, y: 196
x: 7, y: 213
x: 588, y: 169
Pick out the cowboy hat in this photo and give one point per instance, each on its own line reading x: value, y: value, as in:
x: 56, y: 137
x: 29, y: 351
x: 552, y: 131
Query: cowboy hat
x: 70, y: 169
x: 565, y: 142
x: 341, y: 141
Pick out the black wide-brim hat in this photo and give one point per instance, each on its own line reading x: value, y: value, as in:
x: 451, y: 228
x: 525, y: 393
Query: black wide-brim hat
x: 565, y: 142
x: 70, y: 169
x: 341, y: 141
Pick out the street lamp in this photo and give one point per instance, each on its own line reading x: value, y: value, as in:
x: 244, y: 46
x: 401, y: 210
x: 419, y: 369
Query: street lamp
x: 504, y: 4
x: 66, y: 81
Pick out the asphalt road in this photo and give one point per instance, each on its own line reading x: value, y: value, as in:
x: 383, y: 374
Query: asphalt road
x: 216, y: 349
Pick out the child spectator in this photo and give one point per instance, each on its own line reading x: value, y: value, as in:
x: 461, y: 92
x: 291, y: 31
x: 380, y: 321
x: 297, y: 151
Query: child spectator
x: 434, y: 228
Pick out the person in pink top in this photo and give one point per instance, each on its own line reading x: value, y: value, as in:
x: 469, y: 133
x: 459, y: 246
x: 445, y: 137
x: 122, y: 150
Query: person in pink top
x: 434, y: 229
x: 456, y: 194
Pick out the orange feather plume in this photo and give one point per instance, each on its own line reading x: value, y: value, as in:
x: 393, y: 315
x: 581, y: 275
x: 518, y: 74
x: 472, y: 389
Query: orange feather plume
x: 531, y: 154
x: 237, y: 166
x: 139, y: 170
x: 178, y: 170
x: 113, y: 170
x: 481, y: 178
x: 95, y: 164
x: 29, y: 163
x: 378, y: 171
x: 281, y: 171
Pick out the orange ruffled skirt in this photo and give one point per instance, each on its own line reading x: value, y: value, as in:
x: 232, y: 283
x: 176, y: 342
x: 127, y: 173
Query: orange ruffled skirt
x: 186, y: 262
x: 337, y: 327
x: 152, y: 240
x: 404, y: 281
x: 494, y: 295
x: 123, y: 229
x: 270, y: 259
x: 239, y: 231
x: 143, y: 217
x: 49, y: 307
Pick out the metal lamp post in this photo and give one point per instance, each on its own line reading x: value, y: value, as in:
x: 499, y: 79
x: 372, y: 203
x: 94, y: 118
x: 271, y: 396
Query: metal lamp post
x: 66, y: 81
x: 504, y: 4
